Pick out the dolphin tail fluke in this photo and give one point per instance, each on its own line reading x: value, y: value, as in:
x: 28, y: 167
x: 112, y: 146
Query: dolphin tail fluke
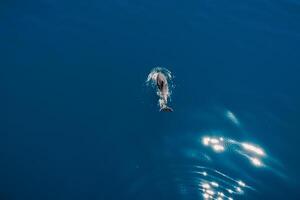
x: 166, y: 109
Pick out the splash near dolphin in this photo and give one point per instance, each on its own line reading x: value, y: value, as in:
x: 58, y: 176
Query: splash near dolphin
x: 161, y: 79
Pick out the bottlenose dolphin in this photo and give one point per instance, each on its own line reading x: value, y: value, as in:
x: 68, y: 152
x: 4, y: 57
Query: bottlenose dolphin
x: 160, y: 78
x: 163, y: 92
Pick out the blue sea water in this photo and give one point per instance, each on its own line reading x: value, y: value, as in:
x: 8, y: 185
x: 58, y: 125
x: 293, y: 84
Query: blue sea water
x: 77, y: 120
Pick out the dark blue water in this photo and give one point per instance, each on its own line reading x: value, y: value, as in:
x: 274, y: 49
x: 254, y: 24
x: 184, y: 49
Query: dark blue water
x: 78, y: 122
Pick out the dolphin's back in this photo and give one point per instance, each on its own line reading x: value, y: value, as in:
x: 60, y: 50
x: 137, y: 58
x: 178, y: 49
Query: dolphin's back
x: 161, y: 82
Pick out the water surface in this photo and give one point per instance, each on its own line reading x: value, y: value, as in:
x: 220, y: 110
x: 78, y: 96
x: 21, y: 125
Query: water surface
x: 78, y: 122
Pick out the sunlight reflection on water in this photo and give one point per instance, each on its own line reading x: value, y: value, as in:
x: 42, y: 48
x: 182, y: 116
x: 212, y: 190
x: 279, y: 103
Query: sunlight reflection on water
x: 250, y: 151
x: 211, y: 183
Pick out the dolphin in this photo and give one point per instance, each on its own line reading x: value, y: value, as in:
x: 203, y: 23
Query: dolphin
x: 163, y: 92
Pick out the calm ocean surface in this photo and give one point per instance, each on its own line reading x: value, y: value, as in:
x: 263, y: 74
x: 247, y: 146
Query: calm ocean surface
x: 77, y: 120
